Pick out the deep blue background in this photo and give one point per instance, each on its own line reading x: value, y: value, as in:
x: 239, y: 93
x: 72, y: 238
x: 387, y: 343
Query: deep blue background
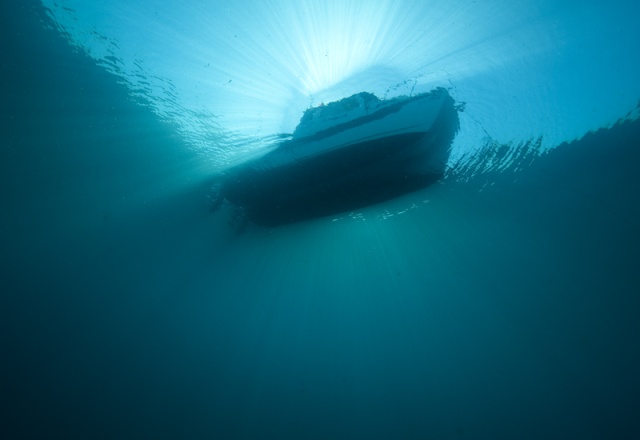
x: 505, y: 307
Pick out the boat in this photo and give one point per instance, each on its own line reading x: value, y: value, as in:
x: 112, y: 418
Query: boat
x: 345, y: 155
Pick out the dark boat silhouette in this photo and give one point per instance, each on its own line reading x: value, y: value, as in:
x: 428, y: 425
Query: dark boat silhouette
x: 345, y: 155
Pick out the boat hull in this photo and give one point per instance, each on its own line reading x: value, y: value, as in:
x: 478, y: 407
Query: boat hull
x: 347, y: 166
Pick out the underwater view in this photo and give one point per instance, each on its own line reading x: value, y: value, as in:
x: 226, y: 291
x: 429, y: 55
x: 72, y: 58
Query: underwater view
x: 353, y: 219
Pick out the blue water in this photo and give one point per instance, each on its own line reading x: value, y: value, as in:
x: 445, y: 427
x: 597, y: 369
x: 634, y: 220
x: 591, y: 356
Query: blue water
x: 500, y: 303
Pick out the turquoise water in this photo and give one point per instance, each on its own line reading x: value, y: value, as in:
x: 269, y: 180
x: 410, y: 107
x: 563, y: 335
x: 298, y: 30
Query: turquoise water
x: 501, y: 302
